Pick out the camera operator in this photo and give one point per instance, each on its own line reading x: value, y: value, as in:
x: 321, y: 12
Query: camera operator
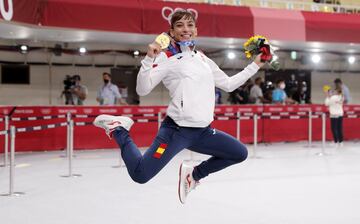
x: 75, y: 93
x: 108, y: 93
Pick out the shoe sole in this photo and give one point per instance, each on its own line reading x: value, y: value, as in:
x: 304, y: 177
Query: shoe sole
x: 109, y: 117
x: 179, y: 184
x: 100, y: 117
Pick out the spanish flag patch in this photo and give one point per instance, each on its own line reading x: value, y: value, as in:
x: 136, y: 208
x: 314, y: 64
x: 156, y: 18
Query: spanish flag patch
x: 160, y: 151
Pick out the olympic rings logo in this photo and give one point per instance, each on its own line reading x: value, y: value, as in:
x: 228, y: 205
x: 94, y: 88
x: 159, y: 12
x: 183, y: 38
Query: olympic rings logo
x: 7, y: 15
x: 167, y: 12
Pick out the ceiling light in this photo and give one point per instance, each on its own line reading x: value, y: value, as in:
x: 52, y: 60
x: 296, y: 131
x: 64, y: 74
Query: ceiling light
x: 351, y: 60
x: 82, y: 50
x: 136, y: 53
x: 24, y: 48
x: 316, y: 58
x: 231, y: 55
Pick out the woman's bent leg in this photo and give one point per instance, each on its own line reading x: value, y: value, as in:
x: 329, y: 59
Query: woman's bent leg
x: 142, y: 168
x: 225, y: 150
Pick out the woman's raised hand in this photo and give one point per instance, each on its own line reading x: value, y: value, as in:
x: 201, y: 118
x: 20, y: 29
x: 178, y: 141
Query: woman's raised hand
x: 153, y: 50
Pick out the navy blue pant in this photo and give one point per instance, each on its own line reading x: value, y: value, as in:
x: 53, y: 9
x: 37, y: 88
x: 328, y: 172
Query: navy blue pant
x: 337, y: 128
x: 170, y: 140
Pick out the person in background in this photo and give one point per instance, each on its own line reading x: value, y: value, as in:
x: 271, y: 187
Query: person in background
x: 109, y: 94
x: 256, y: 93
x: 334, y: 100
x: 279, y: 95
x: 302, y: 95
x: 218, y: 96
x: 291, y: 86
x: 79, y: 91
x: 345, y: 90
x: 267, y: 90
x: 241, y: 94
x: 74, y: 92
x: 124, y: 92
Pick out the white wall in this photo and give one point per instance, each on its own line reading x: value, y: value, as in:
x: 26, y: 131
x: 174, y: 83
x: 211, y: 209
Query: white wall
x: 44, y: 86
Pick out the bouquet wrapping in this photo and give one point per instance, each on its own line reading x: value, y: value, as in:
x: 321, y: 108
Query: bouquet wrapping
x: 259, y: 44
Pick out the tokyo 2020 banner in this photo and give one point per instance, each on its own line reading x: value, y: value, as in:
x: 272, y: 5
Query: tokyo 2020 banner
x: 152, y: 17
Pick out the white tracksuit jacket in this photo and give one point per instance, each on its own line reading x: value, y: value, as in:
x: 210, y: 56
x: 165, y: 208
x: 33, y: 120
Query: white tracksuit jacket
x: 335, y: 104
x: 191, y: 78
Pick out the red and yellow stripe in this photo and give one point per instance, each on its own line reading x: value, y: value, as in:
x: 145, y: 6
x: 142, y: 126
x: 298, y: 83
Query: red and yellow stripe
x: 160, y: 151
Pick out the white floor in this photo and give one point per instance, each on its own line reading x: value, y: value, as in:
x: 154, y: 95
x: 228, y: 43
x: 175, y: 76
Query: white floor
x: 289, y: 184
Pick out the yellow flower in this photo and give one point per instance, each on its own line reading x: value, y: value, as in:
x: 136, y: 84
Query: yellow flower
x: 251, y: 44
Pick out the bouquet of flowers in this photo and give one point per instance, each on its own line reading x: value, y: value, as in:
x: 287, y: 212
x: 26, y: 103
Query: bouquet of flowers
x: 259, y: 44
x: 326, y: 88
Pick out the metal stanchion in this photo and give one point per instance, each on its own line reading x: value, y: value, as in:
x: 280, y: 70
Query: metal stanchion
x: 68, y: 119
x: 310, y: 130
x: 159, y: 120
x: 12, y: 164
x: 238, y: 126
x: 6, y: 143
x: 120, y: 162
x: 70, y: 149
x: 255, y: 136
x: 323, y: 138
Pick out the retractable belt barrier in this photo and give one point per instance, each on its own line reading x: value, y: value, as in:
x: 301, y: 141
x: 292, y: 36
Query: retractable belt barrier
x: 13, y: 130
x: 41, y: 127
x: 140, y: 118
x: 144, y: 118
x: 38, y: 118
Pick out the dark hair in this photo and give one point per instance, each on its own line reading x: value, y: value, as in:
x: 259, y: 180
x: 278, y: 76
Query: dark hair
x: 106, y: 73
x: 338, y: 81
x: 339, y: 90
x: 258, y: 79
x: 279, y: 81
x: 179, y: 14
x: 77, y: 77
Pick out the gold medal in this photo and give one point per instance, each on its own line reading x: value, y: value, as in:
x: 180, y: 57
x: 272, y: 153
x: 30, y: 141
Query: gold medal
x: 163, y: 40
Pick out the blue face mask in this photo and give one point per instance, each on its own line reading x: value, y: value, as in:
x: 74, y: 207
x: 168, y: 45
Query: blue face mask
x: 175, y: 50
x: 187, y: 43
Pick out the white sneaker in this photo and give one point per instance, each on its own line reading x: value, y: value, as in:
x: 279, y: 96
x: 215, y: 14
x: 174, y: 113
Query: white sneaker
x: 186, y: 182
x: 110, y: 122
x: 341, y: 144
